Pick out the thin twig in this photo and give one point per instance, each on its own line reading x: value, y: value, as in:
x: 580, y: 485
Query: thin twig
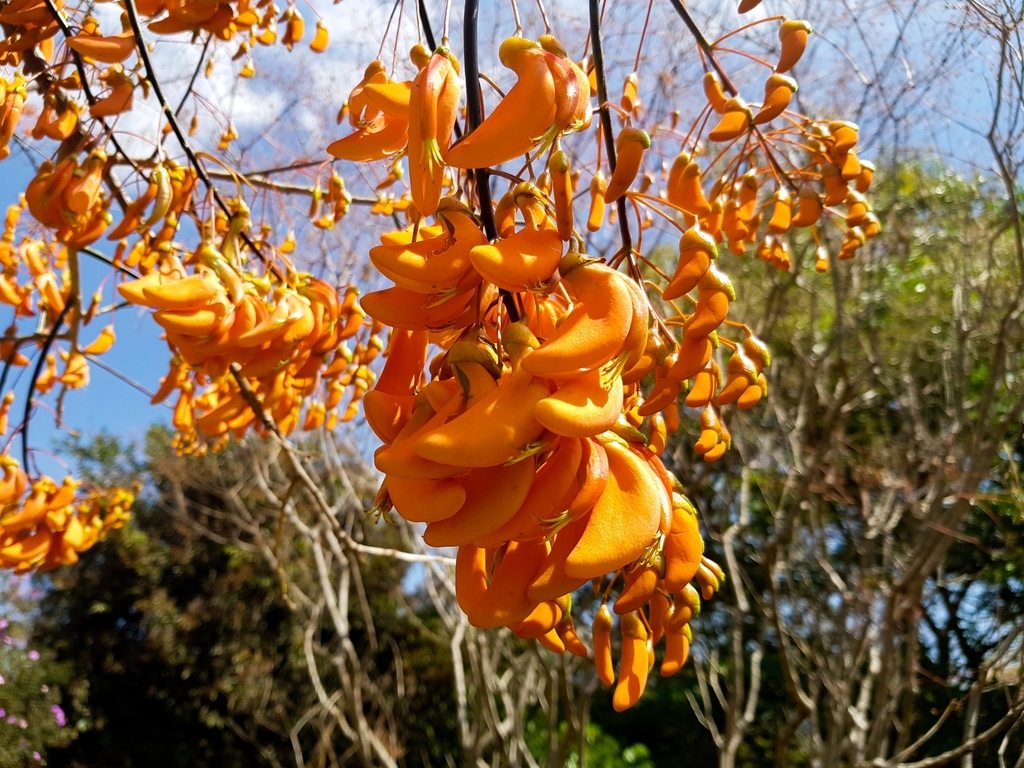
x: 303, y: 476
x: 195, y: 75
x: 261, y: 180
x: 90, y: 251
x: 126, y: 379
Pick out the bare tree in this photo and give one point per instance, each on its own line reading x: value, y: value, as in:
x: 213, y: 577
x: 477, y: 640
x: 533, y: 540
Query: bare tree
x: 882, y: 440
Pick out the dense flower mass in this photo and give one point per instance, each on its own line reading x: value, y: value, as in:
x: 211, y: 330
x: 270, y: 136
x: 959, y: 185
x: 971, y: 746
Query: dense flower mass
x: 529, y: 388
x: 44, y: 525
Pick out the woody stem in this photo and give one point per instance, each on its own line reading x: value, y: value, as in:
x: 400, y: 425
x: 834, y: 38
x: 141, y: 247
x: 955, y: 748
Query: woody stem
x: 475, y: 116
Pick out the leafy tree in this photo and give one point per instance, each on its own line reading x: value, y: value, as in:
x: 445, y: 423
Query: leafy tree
x: 182, y: 646
x: 32, y: 720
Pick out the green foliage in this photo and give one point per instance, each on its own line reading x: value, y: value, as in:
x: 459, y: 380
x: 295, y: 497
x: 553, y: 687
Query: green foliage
x: 605, y: 752
x: 602, y: 749
x: 167, y: 641
x: 32, y: 721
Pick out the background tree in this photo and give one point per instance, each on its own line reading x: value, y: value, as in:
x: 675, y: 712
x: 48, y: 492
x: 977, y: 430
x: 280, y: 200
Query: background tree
x: 184, y: 648
x: 32, y: 720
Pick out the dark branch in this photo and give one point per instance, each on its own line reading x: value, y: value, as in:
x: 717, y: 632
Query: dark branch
x: 475, y: 116
x: 195, y: 75
x: 606, y: 117
x: 727, y: 84
x: 89, y: 251
x: 40, y: 362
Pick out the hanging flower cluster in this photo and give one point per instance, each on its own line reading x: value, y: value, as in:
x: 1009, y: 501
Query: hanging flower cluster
x: 529, y: 387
